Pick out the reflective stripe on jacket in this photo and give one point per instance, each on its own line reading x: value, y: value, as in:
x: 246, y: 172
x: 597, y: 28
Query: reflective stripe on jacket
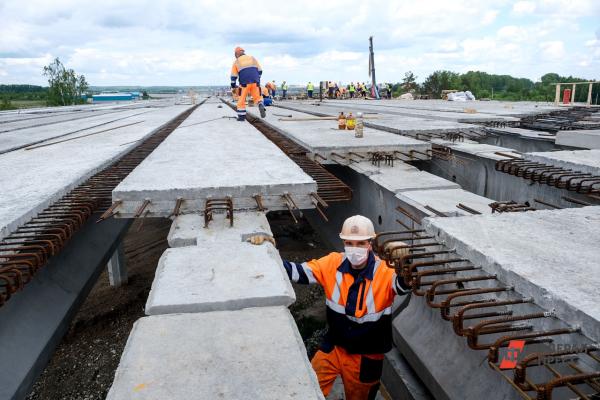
x: 246, y: 69
x: 359, y: 310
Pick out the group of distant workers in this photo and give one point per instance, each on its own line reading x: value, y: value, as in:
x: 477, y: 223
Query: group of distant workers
x: 248, y: 72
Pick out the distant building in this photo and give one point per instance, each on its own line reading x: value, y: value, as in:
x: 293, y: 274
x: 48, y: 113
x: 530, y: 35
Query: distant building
x: 113, y: 97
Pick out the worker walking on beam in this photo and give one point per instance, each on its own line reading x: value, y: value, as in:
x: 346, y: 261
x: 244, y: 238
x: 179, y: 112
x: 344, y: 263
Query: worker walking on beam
x: 248, y: 71
x: 359, y: 290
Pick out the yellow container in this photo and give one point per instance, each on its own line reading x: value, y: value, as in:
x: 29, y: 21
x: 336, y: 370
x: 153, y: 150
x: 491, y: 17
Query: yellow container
x: 350, y: 122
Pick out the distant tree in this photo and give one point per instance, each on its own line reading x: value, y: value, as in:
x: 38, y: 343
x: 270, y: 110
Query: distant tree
x: 409, y: 82
x: 145, y: 95
x: 441, y: 80
x: 65, y: 86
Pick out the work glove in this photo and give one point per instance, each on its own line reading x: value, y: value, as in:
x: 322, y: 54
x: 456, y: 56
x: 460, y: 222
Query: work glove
x: 233, y: 85
x: 260, y: 238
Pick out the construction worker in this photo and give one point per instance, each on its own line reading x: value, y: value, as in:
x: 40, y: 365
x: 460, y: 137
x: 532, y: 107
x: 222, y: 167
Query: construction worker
x: 310, y: 89
x: 331, y: 89
x: 266, y: 94
x: 351, y: 89
x: 284, y: 88
x: 359, y: 290
x: 389, y: 90
x: 272, y: 88
x: 248, y: 71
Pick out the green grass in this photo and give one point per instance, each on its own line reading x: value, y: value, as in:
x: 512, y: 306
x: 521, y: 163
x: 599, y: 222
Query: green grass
x: 28, y: 103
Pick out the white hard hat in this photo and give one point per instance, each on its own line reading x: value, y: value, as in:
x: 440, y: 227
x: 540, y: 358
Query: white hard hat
x: 357, y: 228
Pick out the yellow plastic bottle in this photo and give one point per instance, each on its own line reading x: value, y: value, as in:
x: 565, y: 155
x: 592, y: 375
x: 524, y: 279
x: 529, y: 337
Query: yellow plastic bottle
x: 350, y: 122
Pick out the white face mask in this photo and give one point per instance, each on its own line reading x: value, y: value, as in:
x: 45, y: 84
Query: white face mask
x: 356, y: 255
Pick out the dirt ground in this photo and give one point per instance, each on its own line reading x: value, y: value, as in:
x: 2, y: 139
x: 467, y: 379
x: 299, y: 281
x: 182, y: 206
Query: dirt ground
x: 84, y: 364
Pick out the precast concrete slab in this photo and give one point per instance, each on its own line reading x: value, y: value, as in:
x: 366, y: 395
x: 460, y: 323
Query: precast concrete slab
x: 549, y: 255
x: 446, y: 201
x: 577, y: 138
x: 189, y: 230
x: 386, y: 119
x: 219, y: 276
x: 492, y: 108
x: 461, y: 114
x: 576, y: 160
x: 213, y: 156
x: 92, y: 124
x: 401, y: 180
x: 31, y: 180
x: 323, y: 137
x: 251, y: 354
x: 525, y: 133
x: 475, y: 148
x: 369, y: 168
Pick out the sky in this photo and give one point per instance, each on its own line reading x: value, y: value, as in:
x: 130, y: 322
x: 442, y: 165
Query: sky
x: 191, y: 42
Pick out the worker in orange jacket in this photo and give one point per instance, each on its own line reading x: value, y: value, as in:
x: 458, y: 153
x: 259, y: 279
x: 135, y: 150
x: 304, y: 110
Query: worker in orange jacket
x: 359, y: 290
x: 272, y: 88
x: 247, y: 70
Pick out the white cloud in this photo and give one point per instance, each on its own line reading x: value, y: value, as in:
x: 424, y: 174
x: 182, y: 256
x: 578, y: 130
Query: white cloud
x: 524, y: 7
x: 553, y: 50
x: 191, y: 42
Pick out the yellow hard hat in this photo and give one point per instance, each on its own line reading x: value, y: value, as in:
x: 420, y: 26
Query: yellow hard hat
x: 357, y: 228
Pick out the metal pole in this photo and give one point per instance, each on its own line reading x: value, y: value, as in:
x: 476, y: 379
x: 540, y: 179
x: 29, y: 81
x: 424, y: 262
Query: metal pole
x: 374, y: 91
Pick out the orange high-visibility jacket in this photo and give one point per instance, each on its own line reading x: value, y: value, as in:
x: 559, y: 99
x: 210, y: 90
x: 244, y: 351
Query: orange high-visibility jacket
x: 359, y: 302
x: 246, y: 69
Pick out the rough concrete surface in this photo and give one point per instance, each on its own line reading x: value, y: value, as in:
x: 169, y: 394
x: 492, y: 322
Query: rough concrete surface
x: 551, y: 256
x: 212, y: 155
x: 387, y: 119
x: 255, y: 353
x: 368, y: 168
x: 219, y: 276
x: 50, y: 172
x: 577, y: 160
x: 324, y: 137
x: 445, y: 201
x: 399, y: 180
x: 188, y: 229
x: 584, y: 139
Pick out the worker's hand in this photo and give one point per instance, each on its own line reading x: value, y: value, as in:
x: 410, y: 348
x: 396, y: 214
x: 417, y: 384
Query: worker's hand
x: 233, y: 85
x: 260, y: 238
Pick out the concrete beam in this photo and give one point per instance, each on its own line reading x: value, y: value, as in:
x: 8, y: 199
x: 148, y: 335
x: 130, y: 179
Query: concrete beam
x: 525, y: 250
x: 576, y: 160
x: 35, y: 319
x: 588, y: 139
x: 256, y: 353
x: 51, y: 172
x: 219, y: 276
x: 189, y: 230
x: 195, y: 163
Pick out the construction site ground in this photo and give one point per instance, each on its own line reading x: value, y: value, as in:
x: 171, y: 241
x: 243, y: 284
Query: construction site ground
x: 84, y: 364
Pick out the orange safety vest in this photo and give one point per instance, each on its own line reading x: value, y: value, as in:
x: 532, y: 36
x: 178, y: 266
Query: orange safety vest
x: 359, y: 302
x: 246, y: 69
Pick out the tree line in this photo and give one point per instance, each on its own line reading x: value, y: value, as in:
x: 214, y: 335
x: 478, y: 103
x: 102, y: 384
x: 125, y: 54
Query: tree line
x: 492, y: 86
